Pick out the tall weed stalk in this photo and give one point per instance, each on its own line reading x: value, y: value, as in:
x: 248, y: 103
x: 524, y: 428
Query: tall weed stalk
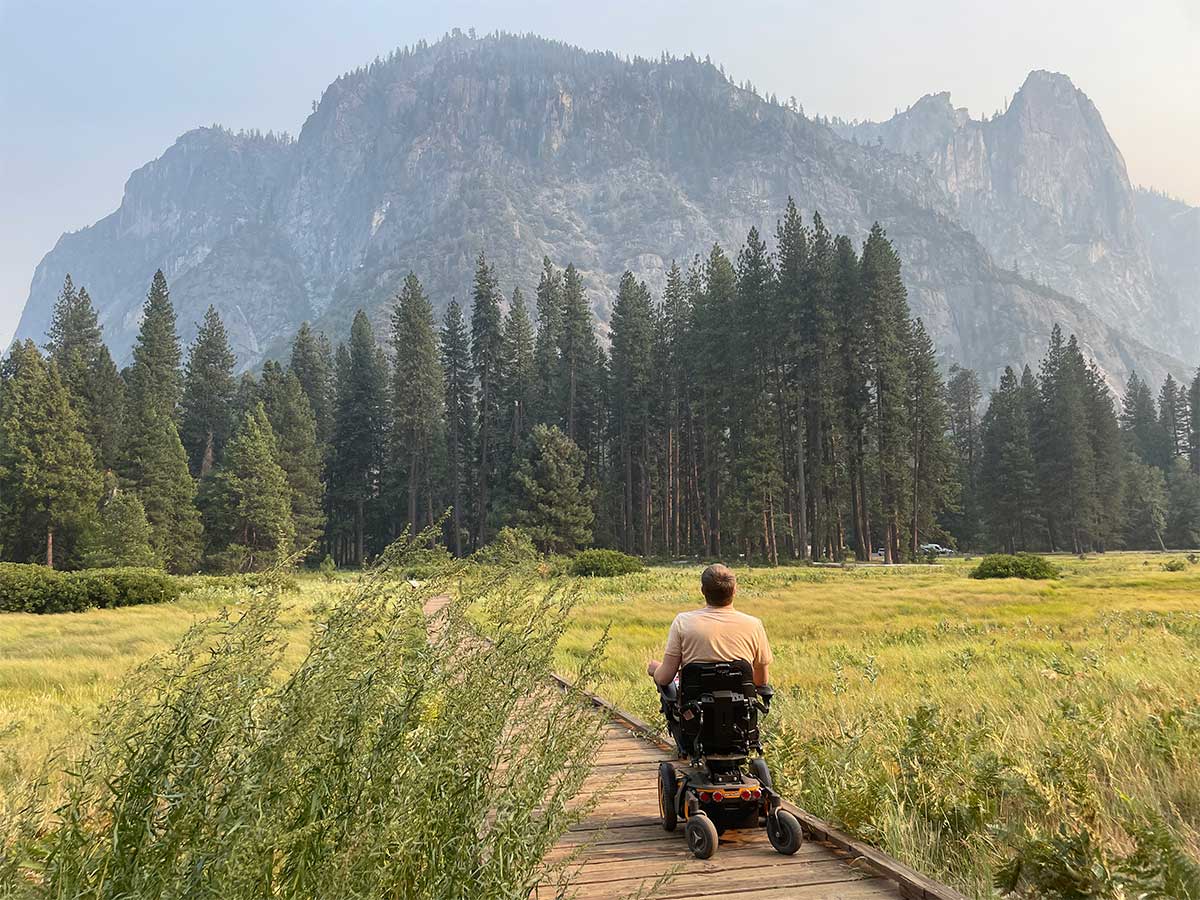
x: 404, y: 757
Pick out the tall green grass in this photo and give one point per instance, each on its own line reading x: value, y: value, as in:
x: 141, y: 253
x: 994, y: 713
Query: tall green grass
x: 1040, y: 739
x: 400, y: 757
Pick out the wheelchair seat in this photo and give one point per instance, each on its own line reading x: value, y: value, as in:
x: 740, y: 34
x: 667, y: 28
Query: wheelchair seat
x: 714, y: 712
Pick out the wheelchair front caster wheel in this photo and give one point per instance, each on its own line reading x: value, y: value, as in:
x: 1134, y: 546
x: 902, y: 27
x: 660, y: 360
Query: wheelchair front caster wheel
x: 784, y: 832
x: 701, y: 836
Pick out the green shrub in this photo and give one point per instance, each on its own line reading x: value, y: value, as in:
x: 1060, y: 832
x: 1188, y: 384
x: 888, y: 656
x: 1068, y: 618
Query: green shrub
x: 605, y: 563
x: 1174, y: 565
x: 36, y: 589
x: 511, y: 547
x: 424, y: 563
x: 1022, y: 565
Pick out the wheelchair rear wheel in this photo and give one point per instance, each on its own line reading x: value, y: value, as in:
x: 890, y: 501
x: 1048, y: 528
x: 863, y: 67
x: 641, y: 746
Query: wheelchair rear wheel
x: 784, y: 832
x: 701, y: 836
x: 667, y: 787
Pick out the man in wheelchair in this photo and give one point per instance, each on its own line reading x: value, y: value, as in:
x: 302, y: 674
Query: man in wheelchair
x: 722, y: 658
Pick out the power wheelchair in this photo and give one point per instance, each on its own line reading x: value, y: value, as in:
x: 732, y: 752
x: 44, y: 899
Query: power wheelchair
x: 712, y: 714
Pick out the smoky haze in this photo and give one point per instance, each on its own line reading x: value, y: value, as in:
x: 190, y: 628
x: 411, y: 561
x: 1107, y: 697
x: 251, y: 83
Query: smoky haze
x: 88, y: 93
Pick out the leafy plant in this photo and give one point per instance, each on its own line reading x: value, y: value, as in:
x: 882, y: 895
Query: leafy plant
x: 37, y: 589
x: 402, y: 757
x: 1020, y: 565
x: 605, y: 563
x: 1174, y: 565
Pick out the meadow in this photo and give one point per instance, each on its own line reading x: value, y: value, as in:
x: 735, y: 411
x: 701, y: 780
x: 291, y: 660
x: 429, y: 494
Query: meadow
x: 1040, y: 734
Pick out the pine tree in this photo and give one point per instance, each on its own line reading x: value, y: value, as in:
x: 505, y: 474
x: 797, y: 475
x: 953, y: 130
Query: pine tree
x: 359, y: 435
x: 852, y: 376
x: 580, y: 373
x: 791, y: 239
x: 1173, y: 420
x: 1183, y: 506
x: 49, y: 484
x: 887, y: 336
x: 250, y: 514
x: 1104, y: 434
x: 152, y: 459
x: 632, y: 397
x: 1008, y: 473
x: 87, y: 370
x: 312, y: 363
x: 963, y: 395
x: 1194, y: 424
x: 292, y: 421
x: 1146, y: 503
x: 1139, y: 423
x: 486, y: 361
x: 122, y: 534
x: 209, y: 388
x: 712, y: 311
x: 932, y: 478
x: 518, y: 393
x: 757, y: 474
x: 555, y: 505
x: 547, y: 404
x: 155, y: 380
x: 1066, y: 463
x: 460, y: 420
x: 418, y: 402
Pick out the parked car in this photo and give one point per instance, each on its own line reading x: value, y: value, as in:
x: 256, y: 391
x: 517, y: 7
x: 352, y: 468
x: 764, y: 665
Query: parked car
x: 936, y: 548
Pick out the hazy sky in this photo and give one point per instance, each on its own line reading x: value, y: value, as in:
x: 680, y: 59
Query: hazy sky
x: 89, y: 91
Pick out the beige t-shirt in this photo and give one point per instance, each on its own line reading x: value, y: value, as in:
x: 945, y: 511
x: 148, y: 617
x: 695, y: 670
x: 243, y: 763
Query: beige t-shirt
x: 718, y: 634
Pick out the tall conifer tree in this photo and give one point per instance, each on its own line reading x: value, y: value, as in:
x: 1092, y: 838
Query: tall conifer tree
x: 49, y: 484
x: 418, y: 402
x: 486, y: 361
x: 299, y: 455
x: 460, y: 420
x: 209, y: 388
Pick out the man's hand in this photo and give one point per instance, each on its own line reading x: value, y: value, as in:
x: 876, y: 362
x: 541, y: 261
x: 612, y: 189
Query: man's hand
x: 652, y: 667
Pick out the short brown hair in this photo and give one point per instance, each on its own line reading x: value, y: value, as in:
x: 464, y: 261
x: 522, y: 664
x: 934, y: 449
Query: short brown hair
x: 718, y: 584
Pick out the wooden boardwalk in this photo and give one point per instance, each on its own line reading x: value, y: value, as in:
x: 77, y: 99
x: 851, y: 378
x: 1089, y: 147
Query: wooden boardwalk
x: 626, y: 849
x: 621, y: 849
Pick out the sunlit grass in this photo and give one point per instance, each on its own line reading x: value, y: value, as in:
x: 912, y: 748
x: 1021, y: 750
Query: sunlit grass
x: 941, y: 716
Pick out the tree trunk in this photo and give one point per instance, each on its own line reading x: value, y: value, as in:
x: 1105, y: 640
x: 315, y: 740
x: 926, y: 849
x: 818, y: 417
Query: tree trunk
x: 801, y: 488
x: 50, y: 547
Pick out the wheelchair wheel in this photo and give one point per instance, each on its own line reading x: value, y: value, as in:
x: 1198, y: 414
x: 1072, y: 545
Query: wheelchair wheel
x: 701, y: 836
x: 784, y: 832
x: 667, y: 787
x: 758, y: 768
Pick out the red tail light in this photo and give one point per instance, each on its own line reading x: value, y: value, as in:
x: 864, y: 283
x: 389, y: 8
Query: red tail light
x: 705, y: 796
x: 756, y: 793
x: 746, y: 793
x: 718, y: 796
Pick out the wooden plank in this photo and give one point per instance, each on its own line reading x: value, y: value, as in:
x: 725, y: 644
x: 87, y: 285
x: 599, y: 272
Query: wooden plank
x: 716, y: 881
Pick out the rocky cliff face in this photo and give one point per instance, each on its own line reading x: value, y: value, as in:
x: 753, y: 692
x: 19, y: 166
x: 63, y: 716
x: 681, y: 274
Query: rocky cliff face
x: 1045, y: 190
x: 527, y: 148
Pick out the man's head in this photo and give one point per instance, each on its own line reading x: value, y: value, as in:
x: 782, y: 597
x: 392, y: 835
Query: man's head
x: 718, y: 584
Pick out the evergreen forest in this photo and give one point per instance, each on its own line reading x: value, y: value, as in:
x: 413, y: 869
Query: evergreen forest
x: 780, y: 404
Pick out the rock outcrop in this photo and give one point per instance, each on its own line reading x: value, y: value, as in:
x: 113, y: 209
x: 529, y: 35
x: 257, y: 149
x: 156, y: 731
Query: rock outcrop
x: 526, y: 148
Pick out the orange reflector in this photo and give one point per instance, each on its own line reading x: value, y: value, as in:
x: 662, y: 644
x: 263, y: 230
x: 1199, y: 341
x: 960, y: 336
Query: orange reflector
x: 705, y: 796
x: 718, y: 796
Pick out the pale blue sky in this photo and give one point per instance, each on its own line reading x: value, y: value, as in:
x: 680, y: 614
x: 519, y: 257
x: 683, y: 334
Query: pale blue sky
x: 89, y: 91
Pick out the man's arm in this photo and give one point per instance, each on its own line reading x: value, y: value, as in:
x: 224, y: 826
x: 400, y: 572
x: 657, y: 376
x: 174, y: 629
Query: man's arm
x: 664, y: 672
x: 760, y: 674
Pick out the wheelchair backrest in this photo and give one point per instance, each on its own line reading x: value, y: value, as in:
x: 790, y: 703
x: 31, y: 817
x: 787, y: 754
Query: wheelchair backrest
x: 720, y: 699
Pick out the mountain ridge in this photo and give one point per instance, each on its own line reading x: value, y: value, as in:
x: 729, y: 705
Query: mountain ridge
x: 527, y: 148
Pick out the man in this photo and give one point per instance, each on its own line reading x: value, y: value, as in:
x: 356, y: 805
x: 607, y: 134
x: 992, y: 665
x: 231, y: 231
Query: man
x: 716, y: 633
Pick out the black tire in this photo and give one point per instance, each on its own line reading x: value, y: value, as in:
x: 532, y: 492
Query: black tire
x: 701, y: 836
x: 758, y: 768
x: 667, y: 787
x: 784, y: 832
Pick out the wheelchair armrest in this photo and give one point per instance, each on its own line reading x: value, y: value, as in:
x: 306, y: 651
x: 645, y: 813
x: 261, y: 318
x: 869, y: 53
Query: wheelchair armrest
x: 765, y: 693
